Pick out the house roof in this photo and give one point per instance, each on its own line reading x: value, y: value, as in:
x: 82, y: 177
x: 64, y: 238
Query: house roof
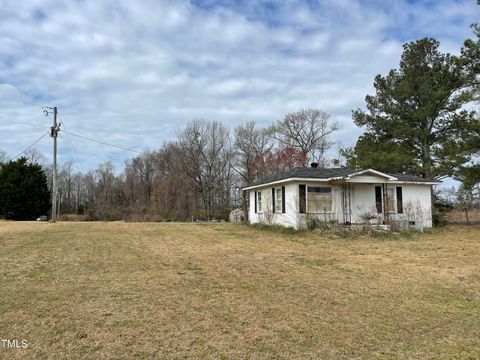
x: 335, y: 174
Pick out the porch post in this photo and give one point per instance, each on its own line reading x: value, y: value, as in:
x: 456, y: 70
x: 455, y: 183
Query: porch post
x: 346, y: 203
x: 385, y: 205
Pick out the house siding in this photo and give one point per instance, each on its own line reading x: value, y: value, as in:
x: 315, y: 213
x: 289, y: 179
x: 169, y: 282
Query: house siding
x: 289, y: 218
x: 417, y: 199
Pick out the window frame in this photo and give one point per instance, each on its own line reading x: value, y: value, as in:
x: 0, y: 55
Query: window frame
x: 278, y: 200
x: 389, y: 202
x: 390, y: 198
x: 302, y: 198
x: 399, y: 199
x: 307, y: 205
x: 259, y: 202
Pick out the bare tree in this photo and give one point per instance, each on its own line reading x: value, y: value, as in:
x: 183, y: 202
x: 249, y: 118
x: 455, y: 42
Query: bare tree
x: 140, y: 174
x: 35, y: 157
x: 206, y: 160
x: 251, y: 145
x: 307, y: 130
x: 64, y: 190
x: 174, y: 196
x: 79, y: 193
x: 105, y: 176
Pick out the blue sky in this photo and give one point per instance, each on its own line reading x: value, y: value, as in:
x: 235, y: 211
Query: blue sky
x: 134, y: 73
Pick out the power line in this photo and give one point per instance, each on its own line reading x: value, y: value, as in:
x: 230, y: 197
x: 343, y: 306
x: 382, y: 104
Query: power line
x: 102, y: 142
x: 74, y: 153
x: 70, y: 143
x: 71, y: 151
x: 28, y: 148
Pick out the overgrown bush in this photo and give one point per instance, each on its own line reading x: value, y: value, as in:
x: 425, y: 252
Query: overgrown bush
x: 74, y: 217
x: 440, y: 212
x: 315, y: 223
x: 109, y: 215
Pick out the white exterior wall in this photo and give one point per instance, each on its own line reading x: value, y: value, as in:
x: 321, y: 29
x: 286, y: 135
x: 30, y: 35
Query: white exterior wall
x: 416, y: 200
x: 288, y: 219
x: 416, y: 203
x: 292, y: 216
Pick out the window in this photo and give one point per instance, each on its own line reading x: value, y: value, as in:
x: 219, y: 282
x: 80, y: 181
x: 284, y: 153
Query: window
x: 378, y: 199
x: 259, y: 201
x: 399, y: 200
x: 386, y: 198
x: 302, y: 199
x: 389, y: 198
x: 278, y: 200
x: 319, y: 199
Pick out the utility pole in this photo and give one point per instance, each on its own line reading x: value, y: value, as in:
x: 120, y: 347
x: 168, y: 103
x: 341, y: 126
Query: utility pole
x: 54, y: 133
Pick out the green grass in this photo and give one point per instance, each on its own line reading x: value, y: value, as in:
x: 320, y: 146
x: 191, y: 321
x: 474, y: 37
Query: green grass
x: 225, y: 291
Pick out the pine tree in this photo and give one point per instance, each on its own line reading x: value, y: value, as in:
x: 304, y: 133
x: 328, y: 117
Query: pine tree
x: 417, y: 121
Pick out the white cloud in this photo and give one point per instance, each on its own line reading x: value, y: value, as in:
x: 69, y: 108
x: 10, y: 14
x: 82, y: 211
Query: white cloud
x: 134, y: 73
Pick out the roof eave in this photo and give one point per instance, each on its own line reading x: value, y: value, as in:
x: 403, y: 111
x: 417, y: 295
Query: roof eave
x: 281, y: 181
x: 413, y: 182
x: 376, y: 172
x: 393, y: 181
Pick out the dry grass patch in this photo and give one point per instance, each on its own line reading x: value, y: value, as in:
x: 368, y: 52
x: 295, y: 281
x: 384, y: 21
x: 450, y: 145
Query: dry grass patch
x: 124, y: 290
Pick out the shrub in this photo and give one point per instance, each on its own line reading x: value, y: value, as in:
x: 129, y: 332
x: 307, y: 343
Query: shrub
x: 73, y: 217
x: 440, y: 211
x: 315, y: 223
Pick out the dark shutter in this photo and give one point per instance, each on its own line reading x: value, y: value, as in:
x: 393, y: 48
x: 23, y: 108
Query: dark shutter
x: 302, y: 199
x: 273, y: 200
x: 378, y: 199
x: 399, y: 200
x: 283, y: 199
x: 255, y: 202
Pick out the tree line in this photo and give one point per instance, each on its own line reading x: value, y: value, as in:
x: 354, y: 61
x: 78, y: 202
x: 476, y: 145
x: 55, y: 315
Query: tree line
x: 198, y: 175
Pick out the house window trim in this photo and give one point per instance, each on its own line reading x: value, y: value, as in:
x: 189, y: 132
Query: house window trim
x: 278, y: 200
x: 259, y: 202
x: 384, y: 188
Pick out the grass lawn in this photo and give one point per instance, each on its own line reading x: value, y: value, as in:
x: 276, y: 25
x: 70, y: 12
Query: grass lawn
x: 125, y: 290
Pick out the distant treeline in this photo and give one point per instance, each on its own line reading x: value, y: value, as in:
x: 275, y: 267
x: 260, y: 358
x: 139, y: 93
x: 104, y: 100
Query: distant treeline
x: 199, y: 175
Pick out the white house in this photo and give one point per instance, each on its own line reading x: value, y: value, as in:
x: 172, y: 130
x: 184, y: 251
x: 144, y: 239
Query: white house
x: 339, y: 195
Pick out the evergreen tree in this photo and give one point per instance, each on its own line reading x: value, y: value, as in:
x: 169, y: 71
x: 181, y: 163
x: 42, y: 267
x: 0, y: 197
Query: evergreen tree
x: 24, y: 193
x: 382, y: 158
x: 469, y: 174
x: 417, y: 121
